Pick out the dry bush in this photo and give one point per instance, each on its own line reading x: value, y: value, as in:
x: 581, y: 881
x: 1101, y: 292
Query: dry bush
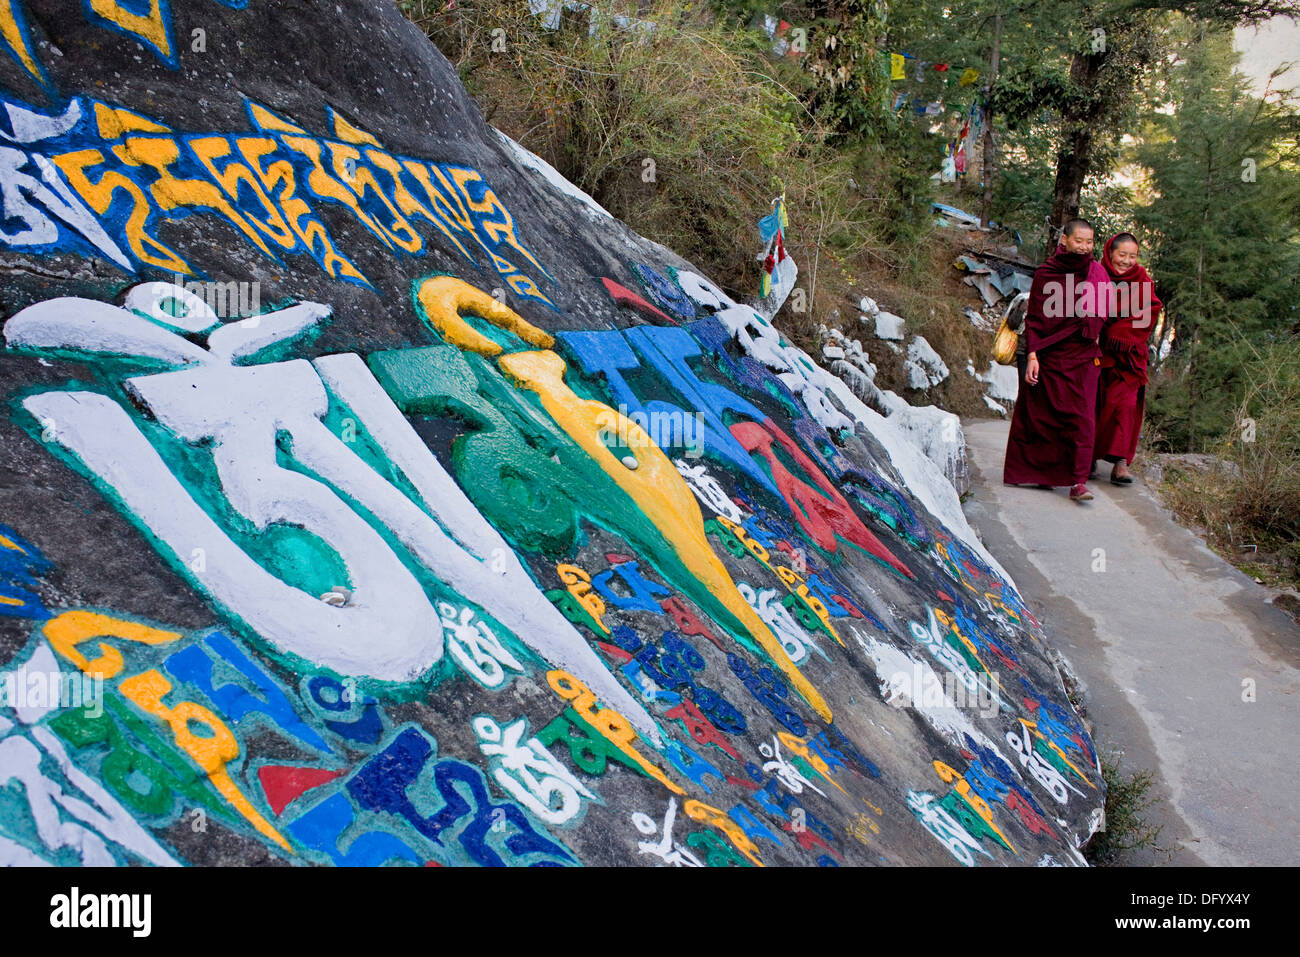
x: 1267, y: 444
x: 725, y: 125
x: 1249, y: 510
x: 686, y: 130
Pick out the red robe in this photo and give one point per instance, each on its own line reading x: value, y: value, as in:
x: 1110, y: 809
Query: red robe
x: 1121, y: 396
x: 1053, y: 427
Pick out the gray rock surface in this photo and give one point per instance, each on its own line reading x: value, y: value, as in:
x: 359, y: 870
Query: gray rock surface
x: 177, y: 489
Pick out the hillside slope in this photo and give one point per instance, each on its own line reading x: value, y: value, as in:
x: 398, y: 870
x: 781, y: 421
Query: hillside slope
x: 440, y: 518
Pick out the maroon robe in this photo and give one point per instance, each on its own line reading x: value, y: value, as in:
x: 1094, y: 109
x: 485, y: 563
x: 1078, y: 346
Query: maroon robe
x: 1053, y: 426
x: 1121, y: 396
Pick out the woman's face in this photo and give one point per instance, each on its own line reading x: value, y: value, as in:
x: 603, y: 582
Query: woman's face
x: 1124, y: 255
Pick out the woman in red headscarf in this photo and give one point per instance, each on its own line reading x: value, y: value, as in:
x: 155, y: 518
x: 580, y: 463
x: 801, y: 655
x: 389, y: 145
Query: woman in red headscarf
x: 1053, y: 426
x: 1121, y: 395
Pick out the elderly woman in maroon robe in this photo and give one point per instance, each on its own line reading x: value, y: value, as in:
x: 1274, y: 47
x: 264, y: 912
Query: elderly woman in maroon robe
x: 1053, y: 427
x: 1121, y: 395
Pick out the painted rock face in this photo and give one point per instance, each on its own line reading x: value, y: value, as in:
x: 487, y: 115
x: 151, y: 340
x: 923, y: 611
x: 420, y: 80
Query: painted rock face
x: 352, y: 511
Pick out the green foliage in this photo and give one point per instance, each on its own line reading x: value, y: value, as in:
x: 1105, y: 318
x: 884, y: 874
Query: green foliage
x: 679, y: 129
x: 1127, y: 798
x: 1228, y: 13
x: 1022, y: 193
x: 1024, y: 90
x: 911, y: 156
x: 846, y: 70
x: 728, y: 126
x: 1266, y: 443
x: 851, y: 69
x: 687, y: 130
x: 1250, y: 513
x: 1108, y: 205
x: 1225, y: 249
x: 1036, y: 98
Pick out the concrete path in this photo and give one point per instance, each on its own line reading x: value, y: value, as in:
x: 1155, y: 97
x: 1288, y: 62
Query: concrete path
x: 1168, y: 640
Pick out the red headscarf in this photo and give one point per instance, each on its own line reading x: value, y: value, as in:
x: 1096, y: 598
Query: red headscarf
x: 1045, y: 325
x: 1136, y: 304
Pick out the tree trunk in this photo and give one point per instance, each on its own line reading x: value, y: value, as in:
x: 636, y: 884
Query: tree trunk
x: 1074, y: 160
x: 990, y: 165
x: 1072, y: 165
x: 1193, y: 375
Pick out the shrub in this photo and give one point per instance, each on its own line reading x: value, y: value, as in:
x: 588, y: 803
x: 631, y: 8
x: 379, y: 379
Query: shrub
x: 726, y: 125
x: 1124, y: 829
x: 1250, y: 513
x: 1267, y: 444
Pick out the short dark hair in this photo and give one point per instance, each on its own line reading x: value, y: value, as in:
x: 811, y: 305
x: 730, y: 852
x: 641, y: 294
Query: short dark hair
x: 1072, y: 226
x: 1125, y: 238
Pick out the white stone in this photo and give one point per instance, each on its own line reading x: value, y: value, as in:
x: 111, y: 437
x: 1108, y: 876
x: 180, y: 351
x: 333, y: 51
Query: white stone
x: 889, y: 326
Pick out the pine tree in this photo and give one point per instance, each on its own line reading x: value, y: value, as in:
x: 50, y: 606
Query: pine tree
x: 1225, y: 226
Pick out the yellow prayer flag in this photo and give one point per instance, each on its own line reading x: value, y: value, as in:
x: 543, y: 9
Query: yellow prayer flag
x: 969, y: 76
x: 896, y: 62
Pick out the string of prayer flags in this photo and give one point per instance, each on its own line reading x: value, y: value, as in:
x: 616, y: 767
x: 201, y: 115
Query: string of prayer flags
x: 771, y: 229
x: 956, y: 75
x: 772, y: 224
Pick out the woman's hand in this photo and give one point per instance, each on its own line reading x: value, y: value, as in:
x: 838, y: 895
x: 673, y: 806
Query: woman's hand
x: 1031, y: 370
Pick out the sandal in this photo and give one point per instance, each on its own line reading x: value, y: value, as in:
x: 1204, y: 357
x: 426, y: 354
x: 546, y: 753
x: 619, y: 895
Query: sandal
x: 1080, y: 493
x: 1120, y: 479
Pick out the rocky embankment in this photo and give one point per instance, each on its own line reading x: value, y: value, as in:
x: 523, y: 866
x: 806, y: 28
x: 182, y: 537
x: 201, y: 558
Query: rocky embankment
x: 438, y: 518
